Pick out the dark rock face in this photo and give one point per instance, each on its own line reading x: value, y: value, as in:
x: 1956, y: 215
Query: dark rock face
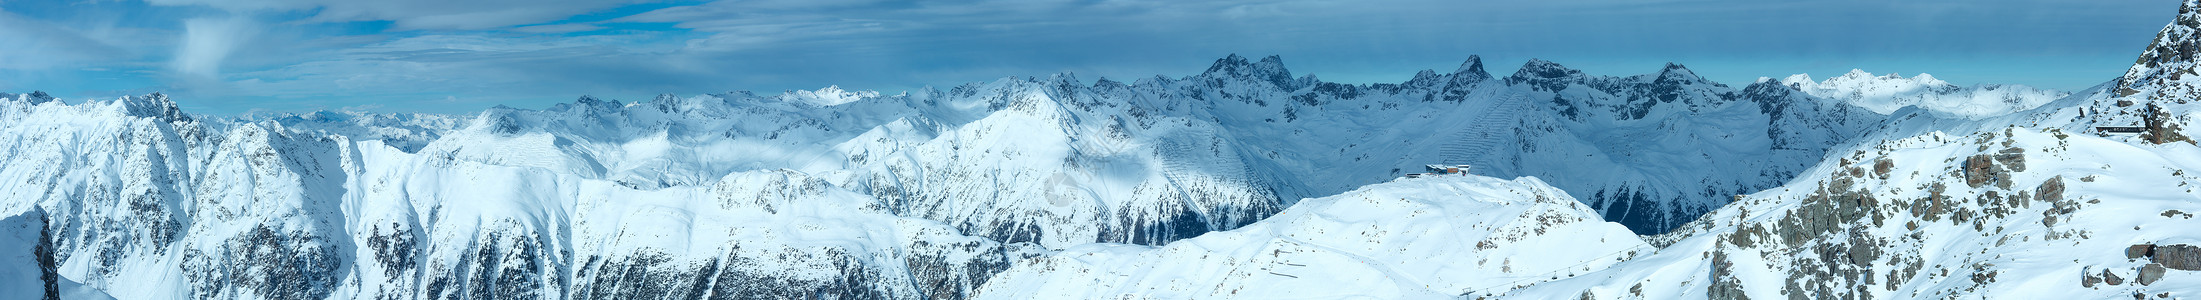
x: 933, y: 271
x: 754, y: 273
x: 852, y: 281
x: 395, y: 245
x: 155, y: 105
x: 2161, y: 127
x: 2149, y: 274
x: 645, y: 275
x: 2090, y: 279
x: 2138, y: 251
x: 1544, y: 75
x: 2179, y: 257
x: 1269, y: 69
x: 1993, y: 169
x: 1724, y: 284
x: 264, y: 262
x: 26, y: 249
x: 46, y: 264
x: 35, y: 97
x: 940, y: 275
x: 1828, y: 231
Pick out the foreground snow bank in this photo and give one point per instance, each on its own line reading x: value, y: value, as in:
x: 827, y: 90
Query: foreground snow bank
x: 1410, y: 238
x: 2010, y: 213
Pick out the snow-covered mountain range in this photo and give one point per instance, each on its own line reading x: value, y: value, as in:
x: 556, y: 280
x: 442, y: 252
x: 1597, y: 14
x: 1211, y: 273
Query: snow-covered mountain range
x: 2083, y: 197
x: 1188, y: 187
x: 1886, y: 93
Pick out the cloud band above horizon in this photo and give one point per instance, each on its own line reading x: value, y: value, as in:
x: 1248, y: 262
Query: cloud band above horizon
x: 455, y: 56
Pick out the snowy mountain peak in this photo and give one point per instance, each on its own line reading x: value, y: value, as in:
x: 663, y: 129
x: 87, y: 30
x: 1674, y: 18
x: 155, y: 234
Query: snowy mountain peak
x: 1425, y: 78
x: 1436, y: 237
x: 828, y: 96
x: 1884, y: 94
x: 1793, y: 81
x: 1767, y: 89
x: 588, y: 103
x: 1543, y: 75
x: 1860, y: 81
x: 1859, y: 75
x: 2166, y: 63
x: 499, y: 120
x: 1473, y: 67
x: 1674, y: 72
x: 1063, y: 79
x: 1539, y: 68
x: 155, y: 105
x: 1270, y: 69
x: 35, y: 97
x: 669, y: 103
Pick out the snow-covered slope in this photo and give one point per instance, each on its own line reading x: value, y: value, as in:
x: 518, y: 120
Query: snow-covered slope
x: 2040, y: 203
x: 860, y: 194
x: 1162, y: 159
x: 1427, y: 237
x: 25, y: 265
x: 151, y: 204
x: 2011, y: 213
x: 2021, y: 199
x: 180, y: 205
x: 1668, y: 146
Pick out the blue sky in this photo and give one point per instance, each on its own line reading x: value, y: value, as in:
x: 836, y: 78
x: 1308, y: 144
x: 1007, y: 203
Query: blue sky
x: 451, y: 56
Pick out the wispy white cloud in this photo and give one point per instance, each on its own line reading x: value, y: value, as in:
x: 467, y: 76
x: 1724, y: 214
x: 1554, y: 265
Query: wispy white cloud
x: 420, y: 14
x: 557, y: 28
x: 33, y: 44
x: 456, y: 56
x: 208, y: 41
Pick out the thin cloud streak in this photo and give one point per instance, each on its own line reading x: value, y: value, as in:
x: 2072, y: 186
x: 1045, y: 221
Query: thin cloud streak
x: 446, y: 56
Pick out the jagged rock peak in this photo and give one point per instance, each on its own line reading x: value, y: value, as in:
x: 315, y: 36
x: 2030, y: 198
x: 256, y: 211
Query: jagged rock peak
x: 593, y: 101
x: 499, y: 120
x: 1473, y: 66
x: 1270, y: 69
x: 1766, y: 88
x: 16, y: 97
x: 2169, y: 59
x: 1425, y: 79
x: 1063, y: 79
x: 1860, y: 74
x: 155, y: 105
x: 1677, y: 72
x: 1426, y: 76
x: 588, y: 104
x: 1545, y: 75
x: 35, y: 97
x: 1539, y: 68
x: 1676, y: 68
x: 668, y: 102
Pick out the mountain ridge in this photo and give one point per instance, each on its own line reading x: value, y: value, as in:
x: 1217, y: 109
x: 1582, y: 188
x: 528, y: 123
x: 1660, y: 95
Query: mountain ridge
x: 975, y: 177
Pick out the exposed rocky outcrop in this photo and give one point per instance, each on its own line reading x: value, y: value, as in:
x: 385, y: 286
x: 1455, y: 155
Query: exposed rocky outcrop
x: 2177, y: 257
x: 2149, y: 274
x: 2166, y: 62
